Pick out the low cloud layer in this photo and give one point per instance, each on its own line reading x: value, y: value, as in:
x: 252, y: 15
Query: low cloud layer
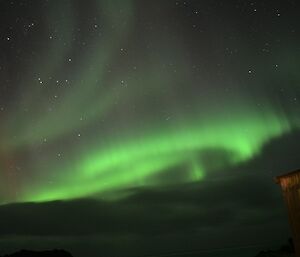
x: 242, y: 204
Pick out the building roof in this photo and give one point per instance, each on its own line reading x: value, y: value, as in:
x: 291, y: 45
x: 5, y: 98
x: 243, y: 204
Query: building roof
x: 286, y: 175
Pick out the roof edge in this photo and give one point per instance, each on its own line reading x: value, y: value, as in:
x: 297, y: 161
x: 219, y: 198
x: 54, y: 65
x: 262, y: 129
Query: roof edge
x: 289, y: 174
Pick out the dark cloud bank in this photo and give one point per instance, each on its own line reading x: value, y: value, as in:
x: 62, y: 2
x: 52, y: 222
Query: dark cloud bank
x: 240, y: 206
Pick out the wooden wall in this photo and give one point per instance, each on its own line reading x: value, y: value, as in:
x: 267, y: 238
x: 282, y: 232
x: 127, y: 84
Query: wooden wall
x: 290, y: 185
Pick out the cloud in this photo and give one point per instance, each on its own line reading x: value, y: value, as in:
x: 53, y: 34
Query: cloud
x: 234, y: 206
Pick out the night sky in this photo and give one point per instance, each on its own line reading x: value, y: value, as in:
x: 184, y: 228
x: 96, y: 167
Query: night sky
x: 140, y: 128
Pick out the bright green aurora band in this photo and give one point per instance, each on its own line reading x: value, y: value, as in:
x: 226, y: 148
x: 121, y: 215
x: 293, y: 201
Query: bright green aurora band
x: 131, y: 162
x: 137, y: 153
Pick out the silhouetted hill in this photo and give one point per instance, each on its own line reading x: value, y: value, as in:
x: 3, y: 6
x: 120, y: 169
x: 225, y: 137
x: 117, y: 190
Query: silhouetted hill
x: 284, y: 251
x: 274, y: 254
x: 52, y: 253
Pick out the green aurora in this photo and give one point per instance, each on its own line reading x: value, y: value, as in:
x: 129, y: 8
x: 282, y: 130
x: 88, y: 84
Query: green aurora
x: 131, y: 162
x: 142, y: 148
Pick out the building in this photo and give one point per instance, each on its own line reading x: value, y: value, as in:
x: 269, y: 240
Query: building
x: 290, y: 185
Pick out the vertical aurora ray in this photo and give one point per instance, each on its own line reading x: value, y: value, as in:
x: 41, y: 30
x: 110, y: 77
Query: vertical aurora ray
x: 83, y: 101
